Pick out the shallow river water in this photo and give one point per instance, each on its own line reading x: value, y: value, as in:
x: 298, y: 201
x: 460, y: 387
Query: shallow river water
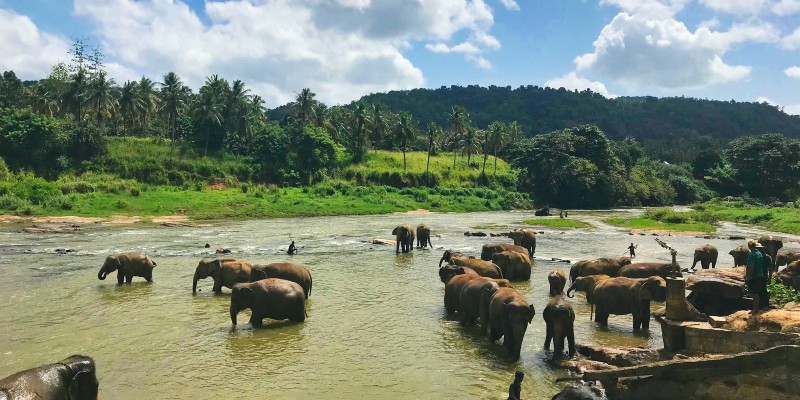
x: 376, y: 327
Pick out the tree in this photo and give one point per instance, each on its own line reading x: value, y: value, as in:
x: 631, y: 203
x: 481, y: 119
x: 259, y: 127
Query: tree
x: 766, y: 166
x: 470, y: 142
x: 404, y: 133
x: 360, y: 121
x: 304, y: 106
x: 76, y: 94
x: 128, y: 104
x: 101, y: 94
x: 434, y: 132
x: 459, y: 120
x: 148, y: 100
x: 207, y: 113
x: 174, y: 97
x: 495, y: 139
x: 11, y: 90
x: 379, y: 124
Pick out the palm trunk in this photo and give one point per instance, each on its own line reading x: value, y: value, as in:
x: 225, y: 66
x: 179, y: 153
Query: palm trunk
x: 404, y: 158
x: 495, y: 161
x: 208, y: 135
x: 485, y: 156
x: 455, y: 153
x: 428, y: 165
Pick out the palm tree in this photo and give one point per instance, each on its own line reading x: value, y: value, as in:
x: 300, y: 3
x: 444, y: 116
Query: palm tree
x: 486, y: 147
x: 236, y: 108
x: 404, y: 133
x: 304, y: 106
x: 495, y: 139
x: 361, y: 120
x: 208, y: 112
x: 147, y: 100
x: 379, y: 125
x: 43, y: 100
x: 174, y: 98
x: 256, y: 109
x: 470, y: 142
x: 434, y: 131
x: 458, y: 119
x: 101, y: 94
x: 75, y: 94
x: 128, y: 103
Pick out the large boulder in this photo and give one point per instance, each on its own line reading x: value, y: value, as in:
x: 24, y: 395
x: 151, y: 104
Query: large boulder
x: 724, y: 282
x: 787, y: 255
x: 790, y: 275
x: 786, y: 320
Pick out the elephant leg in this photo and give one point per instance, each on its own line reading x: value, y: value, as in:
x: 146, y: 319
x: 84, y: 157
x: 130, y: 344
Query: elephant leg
x: 713, y: 264
x: 646, y: 316
x: 256, y: 319
x: 217, y: 285
x: 129, y: 278
x: 637, y: 323
x: 548, y: 335
x: 149, y: 276
x: 571, y: 340
x: 508, y: 341
x: 694, y: 263
x: 120, y: 277
x: 397, y: 245
x: 494, y: 334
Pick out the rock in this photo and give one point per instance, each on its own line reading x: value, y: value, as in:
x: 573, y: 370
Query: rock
x: 495, y: 234
x: 479, y: 234
x: 56, y: 228
x: 619, y: 357
x: 724, y: 282
x: 786, y: 320
x: 385, y: 242
x: 716, y: 322
x: 786, y: 255
x: 790, y: 275
x: 582, y: 365
x: 736, y: 237
x: 560, y: 260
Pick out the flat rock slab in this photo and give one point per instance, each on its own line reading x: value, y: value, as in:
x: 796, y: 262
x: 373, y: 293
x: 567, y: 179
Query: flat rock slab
x: 786, y: 320
x: 385, y: 242
x: 619, y: 357
x: 56, y: 228
x: 725, y: 282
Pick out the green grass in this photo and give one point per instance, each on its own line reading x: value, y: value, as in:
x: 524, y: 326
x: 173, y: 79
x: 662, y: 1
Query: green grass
x: 556, y: 223
x: 649, y: 224
x: 491, y: 226
x: 778, y: 219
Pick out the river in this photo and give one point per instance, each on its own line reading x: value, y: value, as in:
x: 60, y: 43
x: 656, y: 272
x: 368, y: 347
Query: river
x: 376, y: 327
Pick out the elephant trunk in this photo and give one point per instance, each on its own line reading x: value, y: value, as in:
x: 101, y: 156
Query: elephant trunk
x: 194, y: 284
x: 234, y: 312
x: 519, y: 333
x: 102, y: 274
x: 569, y: 291
x: 440, y: 261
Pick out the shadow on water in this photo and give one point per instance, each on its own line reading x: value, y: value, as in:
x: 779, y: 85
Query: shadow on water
x: 404, y: 260
x: 113, y: 293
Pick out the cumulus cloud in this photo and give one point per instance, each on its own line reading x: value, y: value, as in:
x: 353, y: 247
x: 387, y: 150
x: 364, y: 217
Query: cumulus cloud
x: 736, y: 6
x: 640, y: 51
x: 341, y: 49
x: 25, y: 49
x: 792, y: 72
x: 786, y: 7
x: 572, y: 81
x: 791, y: 109
x: 791, y: 41
x: 649, y: 8
x: 510, y: 4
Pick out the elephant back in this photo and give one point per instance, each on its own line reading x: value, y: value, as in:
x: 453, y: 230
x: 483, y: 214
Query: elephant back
x: 646, y: 270
x: 488, y: 250
x: 289, y: 271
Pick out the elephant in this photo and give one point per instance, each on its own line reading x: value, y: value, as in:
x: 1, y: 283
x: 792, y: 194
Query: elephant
x: 225, y: 272
x: 449, y: 255
x: 509, y: 316
x: 289, y: 271
x: 706, y: 254
x: 423, y: 236
x: 739, y: 255
x: 599, y: 266
x: 787, y: 255
x: 488, y: 250
x: 471, y: 295
x: 404, y: 238
x: 452, y: 291
x: 557, y: 280
x: 648, y: 269
x: 222, y: 250
x: 581, y: 392
x: 560, y: 318
x: 269, y: 298
x: 542, y: 212
x: 73, y: 378
x: 128, y: 265
x: 771, y: 245
x: 587, y: 284
x: 481, y: 267
x: 449, y: 271
x: 623, y: 295
x: 524, y: 238
x: 514, y: 266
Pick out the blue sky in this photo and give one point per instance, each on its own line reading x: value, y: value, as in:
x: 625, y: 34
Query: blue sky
x: 744, y: 50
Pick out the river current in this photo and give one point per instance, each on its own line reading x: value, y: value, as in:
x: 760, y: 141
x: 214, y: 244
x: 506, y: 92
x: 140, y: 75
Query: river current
x: 376, y: 328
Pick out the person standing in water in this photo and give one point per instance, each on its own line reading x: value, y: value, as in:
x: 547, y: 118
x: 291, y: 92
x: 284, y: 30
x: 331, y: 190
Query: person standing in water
x: 292, y: 249
x: 515, y: 388
x: 632, y: 250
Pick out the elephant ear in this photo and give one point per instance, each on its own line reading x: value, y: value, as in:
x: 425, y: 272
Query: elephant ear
x: 394, y: 231
x: 645, y: 291
x: 258, y: 274
x: 83, y: 385
x: 214, y: 266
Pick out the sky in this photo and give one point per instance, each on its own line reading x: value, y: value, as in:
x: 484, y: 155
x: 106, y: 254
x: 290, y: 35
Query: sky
x: 742, y: 50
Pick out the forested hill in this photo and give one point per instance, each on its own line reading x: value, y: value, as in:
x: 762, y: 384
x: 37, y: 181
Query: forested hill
x: 543, y: 110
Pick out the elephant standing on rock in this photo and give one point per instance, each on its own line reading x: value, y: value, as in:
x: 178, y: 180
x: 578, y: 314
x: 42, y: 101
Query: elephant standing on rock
x: 471, y: 295
x: 739, y: 255
x: 226, y: 272
x: 289, y: 271
x: 488, y: 250
x: 269, y: 298
x: 647, y: 269
x: 771, y: 245
x: 524, y: 238
x: 557, y: 280
x: 514, y: 266
x: 509, y: 316
x: 128, y: 265
x: 622, y: 296
x: 73, y: 378
x: 404, y: 238
x: 452, y: 291
x: 423, y: 236
x: 706, y: 254
x: 559, y: 318
x: 599, y: 266
x: 587, y: 284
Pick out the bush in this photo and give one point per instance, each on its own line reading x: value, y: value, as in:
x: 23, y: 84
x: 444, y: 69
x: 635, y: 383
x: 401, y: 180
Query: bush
x: 781, y: 294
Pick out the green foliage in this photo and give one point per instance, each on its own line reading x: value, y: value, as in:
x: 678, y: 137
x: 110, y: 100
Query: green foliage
x: 5, y: 173
x: 29, y: 140
x: 766, y: 166
x: 780, y: 294
x: 556, y: 223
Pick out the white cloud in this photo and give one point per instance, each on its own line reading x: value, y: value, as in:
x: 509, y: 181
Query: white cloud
x: 792, y: 72
x: 792, y: 109
x: 786, y: 7
x: 341, y: 49
x: 791, y: 41
x: 649, y: 8
x: 640, y: 52
x: 736, y: 6
x: 510, y: 4
x: 572, y: 81
x: 26, y: 50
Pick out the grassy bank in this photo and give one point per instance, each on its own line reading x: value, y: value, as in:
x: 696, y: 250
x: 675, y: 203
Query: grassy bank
x: 665, y: 219
x: 556, y: 223
x: 778, y: 219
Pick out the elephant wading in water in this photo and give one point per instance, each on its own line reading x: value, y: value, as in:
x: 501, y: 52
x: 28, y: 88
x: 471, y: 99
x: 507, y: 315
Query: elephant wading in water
x: 515, y: 266
x: 560, y: 319
x: 226, y: 273
x: 599, y: 266
x: 480, y: 267
x: 707, y: 255
x: 423, y: 236
x: 647, y: 269
x: 269, y: 298
x: 404, y: 236
x: 289, y: 271
x: 452, y: 291
x: 509, y: 316
x: 524, y: 238
x: 472, y: 294
x: 622, y: 296
x: 449, y: 271
x: 489, y: 250
x: 739, y: 255
x: 73, y: 378
x: 127, y: 266
x: 557, y: 280
x: 587, y: 284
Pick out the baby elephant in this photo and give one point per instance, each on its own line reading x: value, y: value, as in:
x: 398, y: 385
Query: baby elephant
x: 559, y: 317
x: 269, y: 298
x: 72, y: 378
x: 557, y: 280
x: 128, y: 265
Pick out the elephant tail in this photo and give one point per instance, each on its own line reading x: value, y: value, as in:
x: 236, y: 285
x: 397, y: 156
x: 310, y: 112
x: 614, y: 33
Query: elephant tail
x: 310, y: 285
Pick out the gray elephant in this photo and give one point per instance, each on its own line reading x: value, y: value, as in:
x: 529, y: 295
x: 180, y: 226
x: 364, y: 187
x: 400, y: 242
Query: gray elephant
x: 452, y: 291
x: 450, y: 255
x: 739, y: 255
x: 225, y: 272
x: 771, y: 245
x: 557, y: 280
x: 73, y: 378
x: 449, y: 271
x: 648, y: 269
x: 471, y: 295
x: 128, y: 265
x: 269, y: 298
x: 404, y: 238
x: 706, y: 254
x: 524, y: 238
x: 622, y: 296
x: 423, y: 236
x: 587, y: 284
x: 509, y: 316
x: 481, y: 267
x: 560, y: 318
x: 787, y: 255
x: 514, y: 266
x: 598, y: 266
x: 489, y: 250
x: 289, y: 271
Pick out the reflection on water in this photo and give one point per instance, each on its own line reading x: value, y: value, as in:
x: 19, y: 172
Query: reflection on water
x: 376, y: 325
